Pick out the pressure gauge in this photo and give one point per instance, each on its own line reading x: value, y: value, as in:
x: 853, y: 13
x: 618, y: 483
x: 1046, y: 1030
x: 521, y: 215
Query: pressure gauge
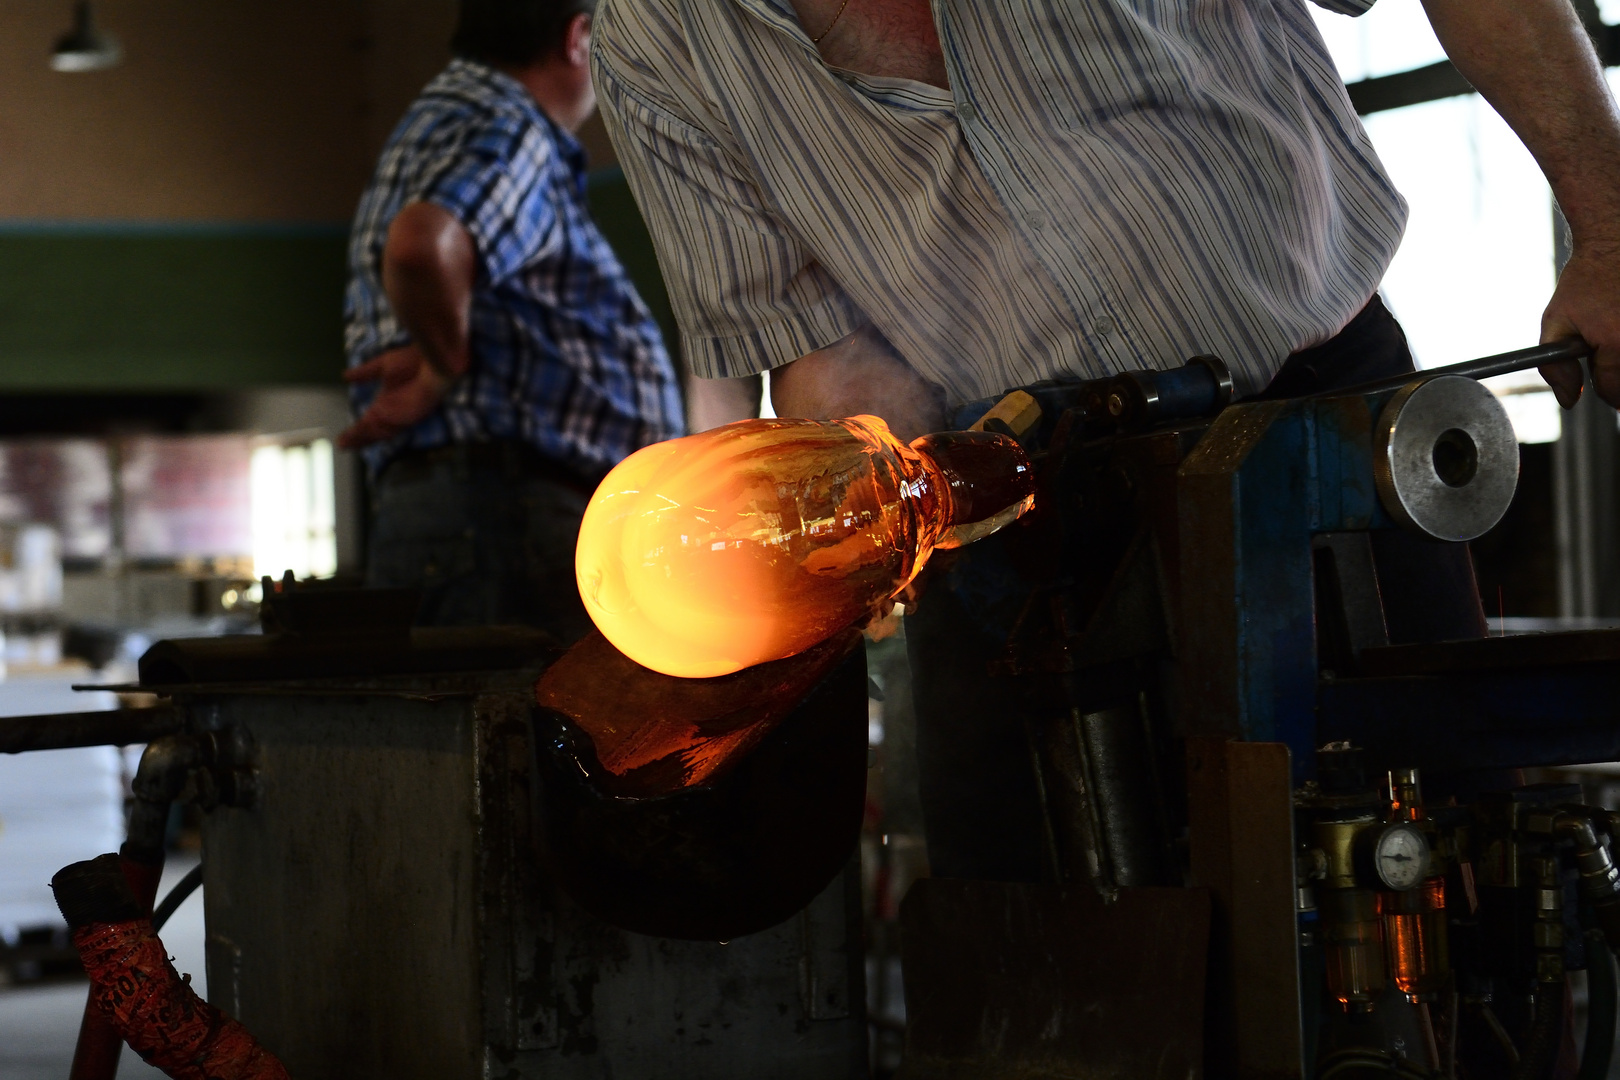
x: 1400, y: 856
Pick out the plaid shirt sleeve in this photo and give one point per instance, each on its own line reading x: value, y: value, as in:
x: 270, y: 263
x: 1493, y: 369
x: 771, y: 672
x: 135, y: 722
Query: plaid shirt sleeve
x: 495, y: 186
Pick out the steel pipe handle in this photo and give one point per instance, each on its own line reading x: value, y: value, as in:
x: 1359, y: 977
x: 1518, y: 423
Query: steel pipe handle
x: 111, y: 727
x: 1200, y: 387
x: 1483, y: 368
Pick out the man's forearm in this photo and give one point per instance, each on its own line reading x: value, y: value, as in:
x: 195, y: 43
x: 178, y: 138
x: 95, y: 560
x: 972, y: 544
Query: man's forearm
x: 713, y: 402
x: 859, y: 374
x: 1532, y: 60
x: 429, y: 265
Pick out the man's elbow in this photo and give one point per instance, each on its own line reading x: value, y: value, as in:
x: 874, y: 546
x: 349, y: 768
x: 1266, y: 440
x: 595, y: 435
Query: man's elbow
x: 427, y: 240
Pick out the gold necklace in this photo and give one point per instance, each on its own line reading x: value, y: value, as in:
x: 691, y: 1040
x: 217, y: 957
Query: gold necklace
x: 824, y: 33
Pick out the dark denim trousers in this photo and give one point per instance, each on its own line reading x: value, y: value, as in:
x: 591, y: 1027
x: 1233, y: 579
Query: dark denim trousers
x: 488, y: 537
x: 975, y: 779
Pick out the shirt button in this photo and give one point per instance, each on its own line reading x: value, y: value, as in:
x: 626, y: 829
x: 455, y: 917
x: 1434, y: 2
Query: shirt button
x: 1035, y: 219
x: 966, y: 111
x: 1104, y: 326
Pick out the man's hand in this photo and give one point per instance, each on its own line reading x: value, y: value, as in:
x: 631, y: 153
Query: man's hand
x: 428, y: 270
x: 1586, y: 305
x: 411, y: 389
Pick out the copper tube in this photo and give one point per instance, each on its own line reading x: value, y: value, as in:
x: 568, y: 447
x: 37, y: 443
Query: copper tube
x: 1430, y: 1043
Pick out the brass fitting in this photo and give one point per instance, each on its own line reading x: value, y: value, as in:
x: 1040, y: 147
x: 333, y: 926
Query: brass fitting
x: 1336, y: 840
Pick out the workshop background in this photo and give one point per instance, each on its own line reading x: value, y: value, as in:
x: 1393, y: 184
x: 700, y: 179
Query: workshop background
x: 172, y: 239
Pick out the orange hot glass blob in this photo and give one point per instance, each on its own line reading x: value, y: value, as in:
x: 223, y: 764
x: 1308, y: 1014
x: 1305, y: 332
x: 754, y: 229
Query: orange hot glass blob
x: 751, y: 542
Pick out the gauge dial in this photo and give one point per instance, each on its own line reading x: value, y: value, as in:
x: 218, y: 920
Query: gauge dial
x: 1401, y: 856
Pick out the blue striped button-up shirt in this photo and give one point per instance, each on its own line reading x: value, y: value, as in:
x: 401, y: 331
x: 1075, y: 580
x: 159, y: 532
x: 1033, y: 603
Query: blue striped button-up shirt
x: 565, y: 355
x: 1107, y: 185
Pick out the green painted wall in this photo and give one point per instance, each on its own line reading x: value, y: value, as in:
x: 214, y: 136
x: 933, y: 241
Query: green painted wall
x: 169, y: 309
x: 620, y: 220
x: 207, y: 308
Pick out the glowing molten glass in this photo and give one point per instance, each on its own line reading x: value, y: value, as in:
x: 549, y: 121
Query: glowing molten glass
x: 751, y: 542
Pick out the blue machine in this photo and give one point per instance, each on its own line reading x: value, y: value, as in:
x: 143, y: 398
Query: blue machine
x: 1226, y: 733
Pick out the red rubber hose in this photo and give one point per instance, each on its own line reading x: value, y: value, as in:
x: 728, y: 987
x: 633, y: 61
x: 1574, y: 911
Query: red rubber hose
x: 133, y: 986
x: 95, y: 1056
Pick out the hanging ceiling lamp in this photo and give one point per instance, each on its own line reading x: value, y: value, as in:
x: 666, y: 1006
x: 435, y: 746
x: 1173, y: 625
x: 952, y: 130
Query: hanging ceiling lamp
x: 84, y: 48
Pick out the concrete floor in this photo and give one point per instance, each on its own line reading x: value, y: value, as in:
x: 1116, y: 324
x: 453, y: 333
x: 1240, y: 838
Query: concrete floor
x: 38, y: 1025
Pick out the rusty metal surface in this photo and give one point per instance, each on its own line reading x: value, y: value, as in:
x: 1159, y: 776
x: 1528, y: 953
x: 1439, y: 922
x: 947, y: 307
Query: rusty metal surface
x: 651, y: 734
x: 262, y: 657
x: 740, y: 852
x: 1021, y: 981
x: 437, y: 687
x: 351, y: 889
x: 381, y: 911
x: 60, y: 731
x: 1240, y: 804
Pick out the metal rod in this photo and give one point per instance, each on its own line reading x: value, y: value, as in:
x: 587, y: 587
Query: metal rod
x: 178, y: 895
x: 113, y: 727
x: 1483, y: 368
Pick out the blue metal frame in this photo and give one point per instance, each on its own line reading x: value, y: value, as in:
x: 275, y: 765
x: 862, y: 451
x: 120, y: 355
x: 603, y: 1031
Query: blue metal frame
x: 1264, y: 479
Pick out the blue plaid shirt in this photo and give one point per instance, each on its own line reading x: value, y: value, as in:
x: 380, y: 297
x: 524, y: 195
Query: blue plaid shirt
x: 565, y: 355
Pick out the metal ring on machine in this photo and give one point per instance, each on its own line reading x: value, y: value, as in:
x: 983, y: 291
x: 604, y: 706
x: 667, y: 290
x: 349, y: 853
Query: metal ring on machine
x: 1445, y: 459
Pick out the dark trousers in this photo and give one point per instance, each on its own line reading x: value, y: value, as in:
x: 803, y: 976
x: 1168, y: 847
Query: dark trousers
x: 487, y: 532
x: 976, y: 783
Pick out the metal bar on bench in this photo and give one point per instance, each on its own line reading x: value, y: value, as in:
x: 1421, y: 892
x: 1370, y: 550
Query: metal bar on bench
x: 1483, y: 368
x: 110, y: 727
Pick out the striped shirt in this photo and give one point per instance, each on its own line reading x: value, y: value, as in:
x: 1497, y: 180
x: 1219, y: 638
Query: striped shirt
x: 565, y: 355
x: 1108, y: 185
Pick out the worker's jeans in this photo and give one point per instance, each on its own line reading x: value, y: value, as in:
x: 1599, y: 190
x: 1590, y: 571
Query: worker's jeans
x: 975, y: 779
x: 487, y: 536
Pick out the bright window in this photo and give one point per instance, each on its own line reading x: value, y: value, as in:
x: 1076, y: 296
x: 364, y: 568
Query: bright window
x: 1476, y: 266
x: 1394, y: 36
x: 294, y: 509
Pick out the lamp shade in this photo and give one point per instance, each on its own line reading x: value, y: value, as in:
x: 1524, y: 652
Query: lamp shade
x: 85, y: 48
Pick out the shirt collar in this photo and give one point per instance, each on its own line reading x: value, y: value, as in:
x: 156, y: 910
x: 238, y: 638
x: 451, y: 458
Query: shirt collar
x: 492, y: 78
x: 779, y: 14
x: 571, y: 151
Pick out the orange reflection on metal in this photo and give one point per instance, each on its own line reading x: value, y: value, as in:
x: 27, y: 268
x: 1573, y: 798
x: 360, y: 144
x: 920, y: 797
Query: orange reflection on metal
x: 1415, y: 938
x: 751, y: 542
